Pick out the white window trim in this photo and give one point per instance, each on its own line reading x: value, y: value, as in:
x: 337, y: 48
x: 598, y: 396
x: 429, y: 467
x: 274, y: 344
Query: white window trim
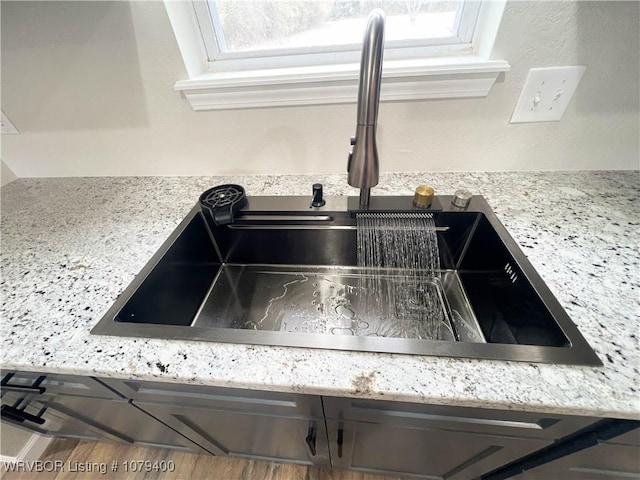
x: 404, y: 79
x: 221, y: 60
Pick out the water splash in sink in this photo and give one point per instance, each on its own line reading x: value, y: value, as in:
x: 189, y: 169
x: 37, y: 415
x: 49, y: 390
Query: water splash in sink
x: 326, y: 301
x: 406, y: 245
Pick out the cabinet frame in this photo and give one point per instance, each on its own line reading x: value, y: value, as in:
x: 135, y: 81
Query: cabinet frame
x: 477, y: 453
x: 66, y: 406
x: 305, y: 429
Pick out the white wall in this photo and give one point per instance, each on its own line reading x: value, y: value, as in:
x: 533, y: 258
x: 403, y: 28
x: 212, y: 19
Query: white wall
x: 6, y: 174
x: 89, y: 85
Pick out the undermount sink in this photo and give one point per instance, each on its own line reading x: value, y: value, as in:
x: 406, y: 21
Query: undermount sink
x: 285, y: 274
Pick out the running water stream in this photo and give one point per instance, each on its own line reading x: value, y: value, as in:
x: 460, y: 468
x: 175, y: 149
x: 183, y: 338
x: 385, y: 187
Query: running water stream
x: 399, y: 258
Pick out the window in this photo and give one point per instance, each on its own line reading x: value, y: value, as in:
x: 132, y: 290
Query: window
x: 242, y: 35
x: 243, y: 54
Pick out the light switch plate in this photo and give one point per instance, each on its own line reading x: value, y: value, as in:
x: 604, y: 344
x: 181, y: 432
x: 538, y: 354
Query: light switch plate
x: 547, y: 93
x: 7, y: 126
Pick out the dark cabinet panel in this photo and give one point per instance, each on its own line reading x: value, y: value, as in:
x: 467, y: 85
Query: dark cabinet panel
x: 87, y: 418
x: 225, y: 421
x: 48, y: 384
x: 472, y: 420
x: 123, y: 421
x: 601, y: 462
x: 30, y: 414
x: 607, y: 450
x: 400, y: 438
x: 422, y: 452
x: 237, y: 433
x: 435, y: 441
x: 232, y: 399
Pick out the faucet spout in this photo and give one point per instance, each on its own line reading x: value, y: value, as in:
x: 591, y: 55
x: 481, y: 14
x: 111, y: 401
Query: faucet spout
x: 362, y: 168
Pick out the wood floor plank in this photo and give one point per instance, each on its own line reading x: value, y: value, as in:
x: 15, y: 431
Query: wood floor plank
x: 227, y: 467
x: 60, y: 448
x: 185, y: 465
x: 375, y: 476
x: 273, y: 471
x: 339, y: 474
x: 140, y: 462
x: 284, y: 471
x: 157, y: 462
x: 89, y: 461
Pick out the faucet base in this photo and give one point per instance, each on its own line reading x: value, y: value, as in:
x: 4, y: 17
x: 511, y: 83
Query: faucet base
x: 365, y: 193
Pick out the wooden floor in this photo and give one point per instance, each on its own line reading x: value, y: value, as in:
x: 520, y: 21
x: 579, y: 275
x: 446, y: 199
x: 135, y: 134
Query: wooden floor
x: 72, y: 455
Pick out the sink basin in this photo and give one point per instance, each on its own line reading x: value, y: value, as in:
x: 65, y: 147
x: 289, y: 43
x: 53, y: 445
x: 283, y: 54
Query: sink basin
x: 286, y: 274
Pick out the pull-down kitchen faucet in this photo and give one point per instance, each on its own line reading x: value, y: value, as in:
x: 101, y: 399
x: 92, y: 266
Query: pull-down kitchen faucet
x: 362, y: 166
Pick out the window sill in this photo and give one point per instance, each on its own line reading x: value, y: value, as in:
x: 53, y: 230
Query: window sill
x: 402, y: 80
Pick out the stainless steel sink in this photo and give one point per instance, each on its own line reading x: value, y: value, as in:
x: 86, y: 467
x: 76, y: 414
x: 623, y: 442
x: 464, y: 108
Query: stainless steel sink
x: 286, y: 274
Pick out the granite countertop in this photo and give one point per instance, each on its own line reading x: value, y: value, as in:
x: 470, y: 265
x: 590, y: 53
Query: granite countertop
x: 71, y: 245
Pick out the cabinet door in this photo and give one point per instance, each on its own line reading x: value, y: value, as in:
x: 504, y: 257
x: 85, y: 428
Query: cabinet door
x: 604, y: 455
x: 47, y: 383
x: 91, y: 419
x: 604, y: 461
x: 428, y: 453
x: 501, y: 423
x: 237, y: 433
x: 37, y: 417
x: 123, y: 421
x: 219, y: 398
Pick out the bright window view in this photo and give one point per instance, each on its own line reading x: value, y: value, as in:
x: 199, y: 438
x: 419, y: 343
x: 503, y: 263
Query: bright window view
x: 256, y: 26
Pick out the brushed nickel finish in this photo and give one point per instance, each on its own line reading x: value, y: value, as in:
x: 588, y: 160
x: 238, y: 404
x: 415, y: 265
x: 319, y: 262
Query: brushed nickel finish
x: 363, y: 167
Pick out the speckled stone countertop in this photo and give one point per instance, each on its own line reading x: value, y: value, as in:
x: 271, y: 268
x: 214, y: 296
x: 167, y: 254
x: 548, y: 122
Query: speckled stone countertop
x: 71, y: 245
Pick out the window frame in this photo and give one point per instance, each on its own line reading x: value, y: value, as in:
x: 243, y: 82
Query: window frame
x: 219, y: 60
x: 230, y: 82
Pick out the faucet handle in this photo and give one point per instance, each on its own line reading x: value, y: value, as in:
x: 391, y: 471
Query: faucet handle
x: 352, y: 142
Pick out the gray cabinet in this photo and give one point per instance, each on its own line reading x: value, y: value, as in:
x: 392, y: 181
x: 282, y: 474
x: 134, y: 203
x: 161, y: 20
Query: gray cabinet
x: 244, y: 434
x: 35, y: 416
x: 593, y: 454
x: 433, y: 441
x: 266, y: 425
x: 51, y: 384
x: 421, y: 452
x: 425, y: 441
x: 83, y: 408
x: 602, y: 462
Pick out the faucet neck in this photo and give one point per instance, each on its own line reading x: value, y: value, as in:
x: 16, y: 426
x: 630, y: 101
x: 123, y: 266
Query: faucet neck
x: 371, y: 69
x: 362, y: 168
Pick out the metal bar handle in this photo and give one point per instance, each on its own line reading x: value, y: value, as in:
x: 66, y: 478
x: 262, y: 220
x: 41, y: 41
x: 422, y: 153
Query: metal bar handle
x: 20, y: 415
x: 35, y: 387
x: 311, y: 439
x: 340, y: 441
x: 9, y: 413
